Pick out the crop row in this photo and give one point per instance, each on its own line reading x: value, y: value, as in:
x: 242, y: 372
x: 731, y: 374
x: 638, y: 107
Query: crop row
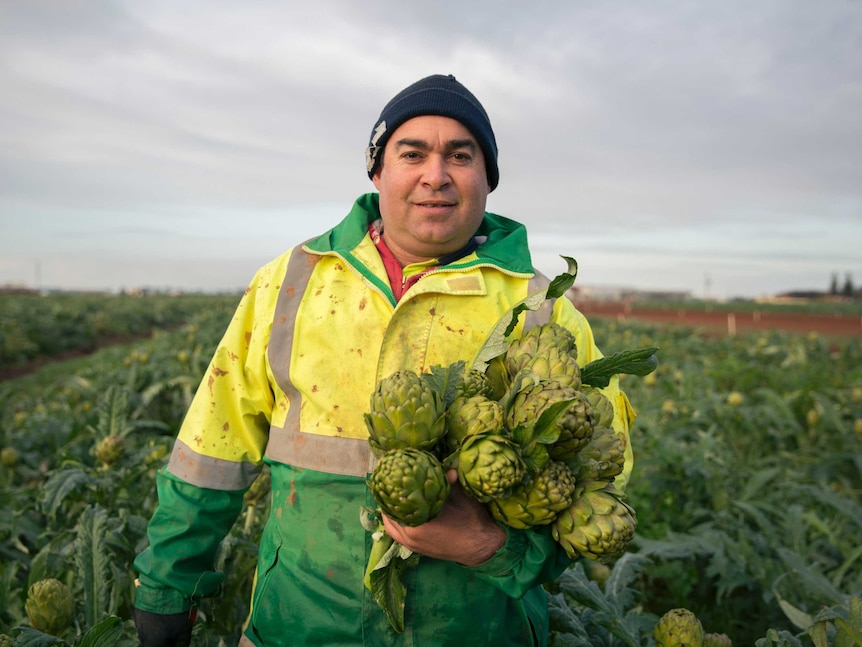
x: 747, y: 484
x: 34, y: 326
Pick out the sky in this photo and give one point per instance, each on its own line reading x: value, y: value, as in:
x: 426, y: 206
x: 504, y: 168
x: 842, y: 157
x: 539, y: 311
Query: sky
x: 710, y: 147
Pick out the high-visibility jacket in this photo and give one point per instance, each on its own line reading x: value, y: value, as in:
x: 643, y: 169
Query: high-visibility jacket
x: 288, y: 385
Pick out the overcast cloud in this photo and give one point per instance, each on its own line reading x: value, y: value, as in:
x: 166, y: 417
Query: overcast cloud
x: 713, y: 147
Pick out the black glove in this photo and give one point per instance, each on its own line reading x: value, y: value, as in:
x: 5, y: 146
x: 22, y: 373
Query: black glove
x: 163, y: 630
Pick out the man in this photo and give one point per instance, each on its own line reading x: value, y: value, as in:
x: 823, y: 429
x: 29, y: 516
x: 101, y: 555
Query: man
x: 415, y: 276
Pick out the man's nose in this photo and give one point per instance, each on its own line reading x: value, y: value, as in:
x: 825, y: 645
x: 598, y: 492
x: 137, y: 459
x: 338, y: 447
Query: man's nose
x: 435, y: 172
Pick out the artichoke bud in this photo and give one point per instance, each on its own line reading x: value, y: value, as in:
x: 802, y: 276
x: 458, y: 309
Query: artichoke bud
x: 598, y: 525
x: 475, y: 382
x: 533, y: 398
x: 678, y: 628
x: 554, y: 364
x: 490, y: 466
x: 50, y: 607
x: 9, y: 456
x: 468, y: 416
x: 538, y: 340
x: 537, y: 501
x: 603, y: 410
x: 405, y: 412
x: 576, y: 429
x: 110, y: 449
x: 602, y: 459
x: 717, y: 640
x: 409, y: 485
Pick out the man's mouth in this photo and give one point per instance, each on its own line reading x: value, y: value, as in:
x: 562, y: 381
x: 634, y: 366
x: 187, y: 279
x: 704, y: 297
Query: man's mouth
x: 435, y: 203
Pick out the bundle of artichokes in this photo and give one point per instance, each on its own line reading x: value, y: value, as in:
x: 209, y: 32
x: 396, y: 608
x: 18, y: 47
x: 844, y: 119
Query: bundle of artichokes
x: 527, y: 436
x: 530, y: 435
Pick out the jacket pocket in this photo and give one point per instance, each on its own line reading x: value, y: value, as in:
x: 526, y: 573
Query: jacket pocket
x: 261, y: 588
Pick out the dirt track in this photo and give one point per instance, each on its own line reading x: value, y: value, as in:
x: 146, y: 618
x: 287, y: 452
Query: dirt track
x: 726, y: 322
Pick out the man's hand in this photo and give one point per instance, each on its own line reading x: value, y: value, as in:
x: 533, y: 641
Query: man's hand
x: 463, y: 532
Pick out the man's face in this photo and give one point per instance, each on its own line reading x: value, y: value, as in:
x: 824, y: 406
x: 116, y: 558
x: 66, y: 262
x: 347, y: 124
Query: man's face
x: 433, y: 187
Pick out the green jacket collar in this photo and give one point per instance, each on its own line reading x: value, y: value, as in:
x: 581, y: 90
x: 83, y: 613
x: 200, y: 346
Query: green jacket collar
x: 505, y: 245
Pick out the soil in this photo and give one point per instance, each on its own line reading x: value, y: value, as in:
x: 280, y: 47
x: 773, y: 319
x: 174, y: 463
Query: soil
x: 728, y: 322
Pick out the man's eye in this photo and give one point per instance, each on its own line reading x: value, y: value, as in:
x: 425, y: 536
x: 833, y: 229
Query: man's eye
x: 461, y: 157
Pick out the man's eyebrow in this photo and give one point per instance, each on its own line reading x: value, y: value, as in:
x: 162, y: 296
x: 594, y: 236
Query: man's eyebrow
x: 451, y: 145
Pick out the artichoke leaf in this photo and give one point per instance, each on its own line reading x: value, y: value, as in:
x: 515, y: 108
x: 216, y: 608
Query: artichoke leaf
x: 536, y: 458
x: 387, y: 585
x: 639, y: 361
x: 545, y: 430
x: 445, y: 379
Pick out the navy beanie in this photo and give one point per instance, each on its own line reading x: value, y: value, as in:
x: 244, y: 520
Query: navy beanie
x: 439, y: 95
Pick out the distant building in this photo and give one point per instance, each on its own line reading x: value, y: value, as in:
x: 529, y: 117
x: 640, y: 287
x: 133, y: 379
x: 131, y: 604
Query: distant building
x: 608, y: 293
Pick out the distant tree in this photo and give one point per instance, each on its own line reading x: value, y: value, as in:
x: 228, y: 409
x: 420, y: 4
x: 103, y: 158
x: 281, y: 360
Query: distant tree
x: 848, y: 285
x: 833, y: 285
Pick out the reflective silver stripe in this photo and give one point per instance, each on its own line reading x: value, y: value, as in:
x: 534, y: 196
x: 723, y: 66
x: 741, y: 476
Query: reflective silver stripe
x: 330, y: 454
x: 543, y: 314
x: 299, y: 269
x: 209, y: 472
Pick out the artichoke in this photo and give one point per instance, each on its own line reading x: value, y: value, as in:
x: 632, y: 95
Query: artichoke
x: 602, y: 459
x: 9, y: 456
x: 717, y: 640
x: 475, y: 382
x: 575, y: 424
x: 598, y: 525
x: 409, y: 485
x: 490, y: 466
x: 576, y: 430
x: 538, y: 501
x: 471, y: 415
x: 5, y: 641
x: 603, y: 410
x: 405, y: 412
x: 50, y: 607
x: 110, y: 449
x: 557, y: 365
x: 537, y: 341
x: 678, y: 628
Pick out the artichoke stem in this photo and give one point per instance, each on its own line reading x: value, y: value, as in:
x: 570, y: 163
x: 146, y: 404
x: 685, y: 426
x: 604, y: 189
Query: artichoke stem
x: 378, y: 550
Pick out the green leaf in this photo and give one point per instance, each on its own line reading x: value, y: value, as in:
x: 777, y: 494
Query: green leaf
x: 641, y: 361
x: 557, y: 288
x: 445, y: 380
x: 547, y: 428
x: 29, y: 637
x: 105, y: 634
x: 113, y: 412
x: 563, y: 282
x: 93, y: 561
x: 387, y: 586
x: 59, y: 485
x: 536, y: 458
